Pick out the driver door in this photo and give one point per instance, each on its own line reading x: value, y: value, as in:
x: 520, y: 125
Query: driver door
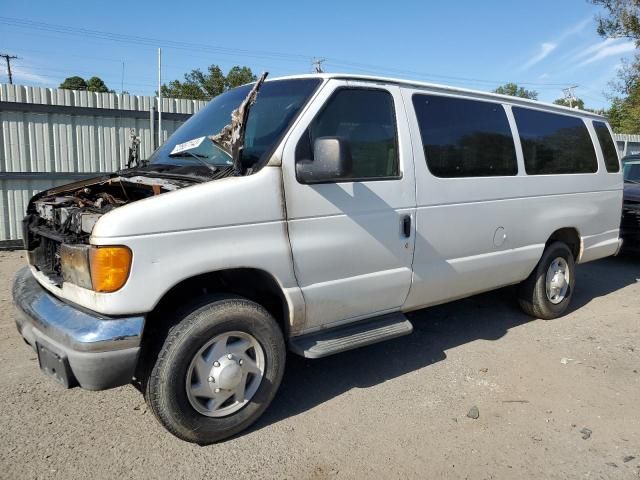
x: 352, y: 238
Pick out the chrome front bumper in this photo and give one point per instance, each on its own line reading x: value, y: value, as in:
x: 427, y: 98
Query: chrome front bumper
x: 76, y: 346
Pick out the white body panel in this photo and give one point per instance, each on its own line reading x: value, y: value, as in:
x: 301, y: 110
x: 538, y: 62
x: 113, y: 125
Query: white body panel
x: 457, y: 220
x: 350, y: 256
x: 191, y: 231
x: 337, y: 250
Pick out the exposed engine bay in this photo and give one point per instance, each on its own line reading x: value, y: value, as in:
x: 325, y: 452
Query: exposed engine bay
x: 66, y: 215
x: 71, y: 212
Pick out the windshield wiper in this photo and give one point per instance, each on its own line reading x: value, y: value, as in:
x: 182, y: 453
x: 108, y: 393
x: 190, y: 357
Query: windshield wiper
x: 198, y: 156
x: 231, y: 137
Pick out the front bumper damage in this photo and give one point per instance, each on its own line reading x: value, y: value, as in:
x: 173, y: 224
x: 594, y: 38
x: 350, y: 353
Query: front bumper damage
x: 76, y: 346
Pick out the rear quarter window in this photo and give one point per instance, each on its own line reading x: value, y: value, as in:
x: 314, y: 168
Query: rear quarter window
x: 554, y: 143
x: 609, y: 150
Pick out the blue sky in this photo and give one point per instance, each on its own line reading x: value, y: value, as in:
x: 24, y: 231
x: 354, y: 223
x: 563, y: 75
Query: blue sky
x: 545, y: 45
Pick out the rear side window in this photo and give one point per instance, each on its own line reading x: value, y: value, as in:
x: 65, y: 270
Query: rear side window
x: 609, y: 150
x: 465, y: 138
x: 554, y: 144
x: 365, y: 118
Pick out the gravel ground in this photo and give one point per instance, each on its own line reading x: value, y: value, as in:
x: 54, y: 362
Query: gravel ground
x: 393, y: 410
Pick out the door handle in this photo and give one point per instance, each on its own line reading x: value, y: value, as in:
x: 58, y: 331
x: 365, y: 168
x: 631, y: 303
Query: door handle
x: 406, y: 226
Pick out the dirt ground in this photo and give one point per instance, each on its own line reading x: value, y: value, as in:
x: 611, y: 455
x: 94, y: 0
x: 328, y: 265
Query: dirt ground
x: 392, y: 410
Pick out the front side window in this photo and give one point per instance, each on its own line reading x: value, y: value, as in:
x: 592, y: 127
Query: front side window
x: 365, y: 120
x: 465, y: 138
x: 609, y: 150
x: 554, y: 143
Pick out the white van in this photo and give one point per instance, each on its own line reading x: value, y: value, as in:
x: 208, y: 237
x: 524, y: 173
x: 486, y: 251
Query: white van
x: 328, y: 208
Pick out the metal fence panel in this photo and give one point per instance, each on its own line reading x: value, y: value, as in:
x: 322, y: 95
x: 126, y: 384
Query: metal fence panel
x: 51, y: 136
x: 627, y: 144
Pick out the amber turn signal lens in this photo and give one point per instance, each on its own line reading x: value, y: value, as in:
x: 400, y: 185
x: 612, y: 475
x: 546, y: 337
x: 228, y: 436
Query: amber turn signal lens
x: 109, y: 267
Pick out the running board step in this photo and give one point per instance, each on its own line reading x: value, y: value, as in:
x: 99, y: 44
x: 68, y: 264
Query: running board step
x: 347, y: 337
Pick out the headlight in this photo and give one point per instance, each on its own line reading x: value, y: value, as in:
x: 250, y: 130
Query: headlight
x: 103, y: 269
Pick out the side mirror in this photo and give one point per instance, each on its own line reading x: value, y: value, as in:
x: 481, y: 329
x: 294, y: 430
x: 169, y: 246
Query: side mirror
x: 331, y: 162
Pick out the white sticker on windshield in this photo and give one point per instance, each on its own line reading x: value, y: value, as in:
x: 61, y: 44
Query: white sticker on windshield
x: 182, y: 147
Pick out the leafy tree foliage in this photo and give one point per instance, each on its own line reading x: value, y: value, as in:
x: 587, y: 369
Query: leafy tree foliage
x: 515, y: 91
x: 198, y: 85
x: 577, y: 103
x: 74, y: 83
x: 94, y: 84
x: 621, y: 20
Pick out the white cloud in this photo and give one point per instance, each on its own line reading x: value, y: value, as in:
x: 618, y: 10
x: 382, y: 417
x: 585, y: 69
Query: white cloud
x: 575, y: 29
x: 604, y: 50
x: 545, y: 49
x: 594, y: 48
x: 544, y: 76
x: 24, y: 75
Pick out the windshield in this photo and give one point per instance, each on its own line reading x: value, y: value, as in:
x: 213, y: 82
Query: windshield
x: 277, y: 104
x: 632, y: 172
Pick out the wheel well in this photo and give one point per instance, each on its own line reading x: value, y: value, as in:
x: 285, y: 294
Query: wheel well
x: 570, y: 237
x: 250, y: 283
x: 253, y: 284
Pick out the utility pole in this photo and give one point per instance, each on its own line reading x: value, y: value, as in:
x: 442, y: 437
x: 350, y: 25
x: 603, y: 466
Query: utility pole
x: 316, y: 63
x: 8, y: 58
x: 569, y: 96
x: 159, y: 97
x: 122, y: 79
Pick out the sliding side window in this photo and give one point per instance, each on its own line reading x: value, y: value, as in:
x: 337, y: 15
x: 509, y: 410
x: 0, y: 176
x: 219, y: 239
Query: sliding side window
x: 465, y: 138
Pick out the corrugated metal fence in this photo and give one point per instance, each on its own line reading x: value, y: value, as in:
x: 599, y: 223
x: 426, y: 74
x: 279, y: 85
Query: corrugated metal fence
x: 51, y: 137
x: 627, y: 144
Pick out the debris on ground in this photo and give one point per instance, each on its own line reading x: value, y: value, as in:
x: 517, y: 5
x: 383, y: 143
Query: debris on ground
x: 628, y: 458
x: 473, y: 413
x: 586, y: 433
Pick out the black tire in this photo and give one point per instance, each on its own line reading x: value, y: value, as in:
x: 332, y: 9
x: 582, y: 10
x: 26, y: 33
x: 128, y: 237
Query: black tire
x: 165, y: 390
x: 532, y: 294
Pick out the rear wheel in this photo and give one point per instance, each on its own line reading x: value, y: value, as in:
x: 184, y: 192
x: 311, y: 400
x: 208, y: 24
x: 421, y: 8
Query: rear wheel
x: 547, y: 292
x: 218, y: 370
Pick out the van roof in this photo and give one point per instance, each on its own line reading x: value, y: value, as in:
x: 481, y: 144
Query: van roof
x: 450, y: 90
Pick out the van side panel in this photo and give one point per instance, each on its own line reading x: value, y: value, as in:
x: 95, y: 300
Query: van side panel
x: 477, y: 234
x: 229, y: 223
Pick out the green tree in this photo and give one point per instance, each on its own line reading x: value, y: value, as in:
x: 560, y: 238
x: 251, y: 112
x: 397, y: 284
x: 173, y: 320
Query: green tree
x: 624, y: 114
x: 96, y: 84
x: 74, y: 83
x: 515, y: 91
x: 237, y: 76
x: 577, y: 103
x: 198, y: 85
x: 622, y: 19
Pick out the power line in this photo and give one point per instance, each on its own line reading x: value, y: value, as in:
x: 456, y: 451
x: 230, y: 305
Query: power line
x: 8, y: 58
x: 279, y: 56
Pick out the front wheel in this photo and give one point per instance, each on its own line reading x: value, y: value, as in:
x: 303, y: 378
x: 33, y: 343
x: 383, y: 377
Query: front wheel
x: 218, y: 370
x: 547, y: 292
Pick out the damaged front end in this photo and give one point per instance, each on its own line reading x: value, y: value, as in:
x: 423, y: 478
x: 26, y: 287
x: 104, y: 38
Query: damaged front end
x: 59, y: 221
